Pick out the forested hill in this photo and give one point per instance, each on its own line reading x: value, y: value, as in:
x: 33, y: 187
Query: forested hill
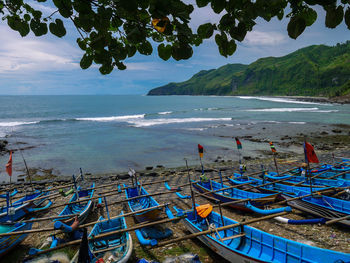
x: 315, y: 70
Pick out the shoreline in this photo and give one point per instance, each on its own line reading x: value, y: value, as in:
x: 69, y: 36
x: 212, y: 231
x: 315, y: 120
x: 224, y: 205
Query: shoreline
x: 329, y: 139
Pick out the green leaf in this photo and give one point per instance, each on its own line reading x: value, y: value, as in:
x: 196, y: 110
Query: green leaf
x: 129, y: 5
x: 309, y: 16
x: 164, y: 51
x: 38, y: 28
x: 131, y: 51
x: 280, y: 15
x: 202, y: 3
x: 334, y: 16
x: 18, y: 25
x: 231, y: 47
x: 239, y: 32
x: 37, y: 14
x: 205, y: 30
x: 296, y: 26
x: 81, y: 43
x: 57, y: 28
x: 64, y: 7
x: 86, y: 61
x: 179, y: 52
x: 218, y: 5
x: 347, y: 17
x: 120, y: 65
x: 82, y: 6
x: 145, y: 48
x: 106, y: 69
x: 26, y: 17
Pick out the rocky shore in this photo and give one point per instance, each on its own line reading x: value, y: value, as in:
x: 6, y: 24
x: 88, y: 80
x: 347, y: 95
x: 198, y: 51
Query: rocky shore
x: 331, y: 237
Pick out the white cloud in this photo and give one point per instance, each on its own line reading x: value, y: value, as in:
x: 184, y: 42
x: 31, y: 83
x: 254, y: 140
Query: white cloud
x: 47, y: 10
x: 264, y: 38
x: 35, y: 54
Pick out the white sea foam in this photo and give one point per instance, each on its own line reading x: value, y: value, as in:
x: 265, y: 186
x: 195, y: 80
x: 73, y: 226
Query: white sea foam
x: 165, y: 112
x: 325, y: 111
x: 113, y: 118
x: 285, y: 110
x: 284, y: 100
x: 297, y: 122
x: 16, y: 123
x: 195, y: 129
x: 152, y: 122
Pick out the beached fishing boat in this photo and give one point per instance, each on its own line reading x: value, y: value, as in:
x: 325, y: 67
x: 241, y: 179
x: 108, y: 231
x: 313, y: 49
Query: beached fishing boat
x: 233, y: 194
x: 327, y: 170
x: 24, y: 206
x: 316, y: 182
x: 147, y: 236
x: 82, y: 208
x: 14, y: 192
x: 244, y: 244
x: 320, y: 205
x: 9, y: 242
x: 142, y: 203
x: 113, y: 248
x: 271, y: 188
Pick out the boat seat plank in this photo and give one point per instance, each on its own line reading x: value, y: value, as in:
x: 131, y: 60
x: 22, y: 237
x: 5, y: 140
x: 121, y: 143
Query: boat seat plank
x: 108, y: 249
x: 232, y: 237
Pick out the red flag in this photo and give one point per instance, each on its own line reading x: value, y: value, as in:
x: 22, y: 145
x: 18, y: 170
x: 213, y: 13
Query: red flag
x: 200, y: 150
x: 310, y: 155
x: 239, y: 144
x: 9, y: 165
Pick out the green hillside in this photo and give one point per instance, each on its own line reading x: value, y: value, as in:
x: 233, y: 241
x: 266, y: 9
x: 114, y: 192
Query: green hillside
x: 312, y: 71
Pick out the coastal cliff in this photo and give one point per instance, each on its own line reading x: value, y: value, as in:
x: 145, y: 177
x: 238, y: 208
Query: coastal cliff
x: 316, y: 70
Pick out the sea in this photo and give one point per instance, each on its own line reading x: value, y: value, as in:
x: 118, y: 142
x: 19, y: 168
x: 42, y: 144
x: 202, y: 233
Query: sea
x: 112, y: 133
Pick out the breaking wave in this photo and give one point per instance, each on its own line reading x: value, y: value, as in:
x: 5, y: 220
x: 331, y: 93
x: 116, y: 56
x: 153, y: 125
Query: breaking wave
x: 283, y: 100
x: 16, y: 123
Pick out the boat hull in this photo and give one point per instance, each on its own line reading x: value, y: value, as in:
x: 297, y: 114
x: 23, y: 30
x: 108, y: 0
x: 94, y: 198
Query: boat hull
x: 258, y: 202
x: 10, y: 242
x: 142, y: 203
x: 317, y: 210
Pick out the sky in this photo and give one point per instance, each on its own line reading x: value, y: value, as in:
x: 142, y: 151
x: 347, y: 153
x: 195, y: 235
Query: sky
x: 49, y: 65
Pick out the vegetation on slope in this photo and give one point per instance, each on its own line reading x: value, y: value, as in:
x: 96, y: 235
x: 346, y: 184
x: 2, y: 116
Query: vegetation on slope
x: 317, y: 70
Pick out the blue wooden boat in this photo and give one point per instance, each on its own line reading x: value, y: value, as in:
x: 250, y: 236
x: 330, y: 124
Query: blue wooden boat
x: 147, y: 235
x: 328, y: 170
x: 320, y: 206
x: 8, y: 243
x: 244, y: 244
x: 116, y: 248
x: 14, y: 192
x: 271, y: 188
x: 142, y: 203
x: 82, y: 208
x: 22, y: 207
x: 316, y: 182
x: 234, y: 194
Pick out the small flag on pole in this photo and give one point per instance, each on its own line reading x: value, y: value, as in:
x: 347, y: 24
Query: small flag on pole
x: 9, y: 165
x: 200, y: 150
x: 239, y: 144
x: 310, y: 155
x: 273, y: 149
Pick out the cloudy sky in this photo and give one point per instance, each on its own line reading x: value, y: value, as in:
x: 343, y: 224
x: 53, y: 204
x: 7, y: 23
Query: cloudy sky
x: 50, y: 65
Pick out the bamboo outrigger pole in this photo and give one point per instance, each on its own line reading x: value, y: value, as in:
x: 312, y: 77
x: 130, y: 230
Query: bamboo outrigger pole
x: 332, y: 189
x: 80, y: 226
x: 77, y: 242
x: 109, y: 194
x: 210, y: 231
